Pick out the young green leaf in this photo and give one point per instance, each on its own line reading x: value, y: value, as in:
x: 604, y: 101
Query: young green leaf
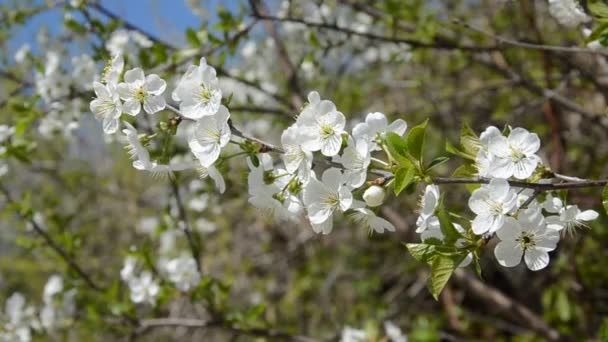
x: 447, y: 227
x: 449, y: 148
x: 442, y: 269
x: 192, y: 38
x: 398, y: 149
x: 436, y: 162
x: 403, y: 178
x: 415, y: 141
x: 598, y: 8
x: 469, y: 141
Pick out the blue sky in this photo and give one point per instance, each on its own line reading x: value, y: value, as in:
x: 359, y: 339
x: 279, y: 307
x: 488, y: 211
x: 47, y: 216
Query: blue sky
x: 167, y: 19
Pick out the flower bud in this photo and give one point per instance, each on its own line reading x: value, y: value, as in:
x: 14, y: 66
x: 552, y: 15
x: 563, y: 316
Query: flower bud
x: 374, y: 196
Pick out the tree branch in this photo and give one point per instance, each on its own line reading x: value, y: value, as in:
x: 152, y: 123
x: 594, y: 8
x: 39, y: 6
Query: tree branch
x: 440, y: 44
x: 501, y: 302
x: 148, y: 324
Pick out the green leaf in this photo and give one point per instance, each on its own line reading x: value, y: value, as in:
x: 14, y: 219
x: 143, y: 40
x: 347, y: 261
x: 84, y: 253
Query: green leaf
x: 398, y: 149
x: 442, y: 269
x: 599, y: 31
x: 423, y: 252
x: 403, y: 178
x: 598, y: 8
x: 415, y: 140
x: 255, y: 311
x: 436, y: 162
x: 447, y: 227
x: 605, y: 198
x: 449, y: 148
x: 192, y: 38
x: 469, y: 141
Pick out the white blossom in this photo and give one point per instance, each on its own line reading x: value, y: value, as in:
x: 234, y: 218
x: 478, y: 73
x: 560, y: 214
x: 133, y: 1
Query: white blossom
x: 322, y: 126
x: 570, y: 217
x: 268, y: 190
x: 198, y: 92
x: 144, y: 289
x: 18, y: 320
x: 514, y: 155
x: 210, y: 135
x: 353, y: 335
x: 296, y: 159
x: 107, y: 106
x: 528, y: 236
x: 355, y: 159
x: 141, y: 156
x: 568, y: 12
x: 369, y: 219
x: 138, y: 90
x: 322, y: 198
x: 183, y: 272
x: 375, y: 127
x: 84, y: 71
x: 213, y: 173
x: 491, y: 203
x: 484, y: 158
x: 394, y: 333
x: 113, y: 70
x: 428, y: 205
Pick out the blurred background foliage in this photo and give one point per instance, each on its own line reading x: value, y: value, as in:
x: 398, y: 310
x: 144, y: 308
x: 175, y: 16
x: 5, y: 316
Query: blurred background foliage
x: 408, y: 59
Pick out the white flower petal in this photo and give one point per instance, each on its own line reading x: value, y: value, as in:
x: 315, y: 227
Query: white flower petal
x: 508, y: 253
x: 536, y: 259
x: 154, y: 103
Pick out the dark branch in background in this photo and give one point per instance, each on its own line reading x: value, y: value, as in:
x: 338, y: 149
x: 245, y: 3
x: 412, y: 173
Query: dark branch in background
x: 192, y: 243
x: 260, y: 11
x: 515, y: 43
x: 498, y: 301
x: 101, y: 9
x: 275, y: 335
x: 439, y: 44
x: 564, y: 102
x: 54, y: 245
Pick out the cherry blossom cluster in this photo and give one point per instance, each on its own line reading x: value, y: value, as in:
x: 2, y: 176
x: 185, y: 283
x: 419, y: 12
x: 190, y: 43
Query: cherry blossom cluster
x: 322, y: 170
x: 19, y: 321
x: 525, y: 226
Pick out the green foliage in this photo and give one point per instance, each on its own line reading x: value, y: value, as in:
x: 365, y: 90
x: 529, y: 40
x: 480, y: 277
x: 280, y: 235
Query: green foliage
x: 442, y: 258
x: 404, y: 177
x: 415, y: 141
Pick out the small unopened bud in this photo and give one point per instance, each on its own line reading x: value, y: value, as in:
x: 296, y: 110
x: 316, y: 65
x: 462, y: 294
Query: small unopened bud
x: 374, y: 196
x: 279, y: 196
x: 269, y: 177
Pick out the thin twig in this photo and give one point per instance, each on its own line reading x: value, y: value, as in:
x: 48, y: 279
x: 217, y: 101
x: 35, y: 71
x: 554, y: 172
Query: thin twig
x: 526, y: 45
x: 186, y: 228
x: 439, y: 44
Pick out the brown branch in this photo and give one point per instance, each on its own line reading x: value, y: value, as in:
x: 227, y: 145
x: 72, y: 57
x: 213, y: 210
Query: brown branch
x: 260, y: 11
x: 439, y: 43
x: 526, y: 45
x: 101, y: 9
x: 503, y: 303
x: 273, y: 334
